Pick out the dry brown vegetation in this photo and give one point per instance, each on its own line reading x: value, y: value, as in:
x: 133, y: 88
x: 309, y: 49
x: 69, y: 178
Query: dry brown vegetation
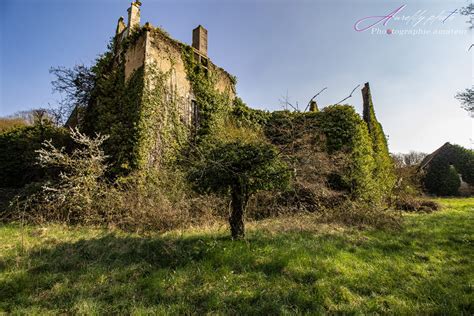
x: 7, y: 124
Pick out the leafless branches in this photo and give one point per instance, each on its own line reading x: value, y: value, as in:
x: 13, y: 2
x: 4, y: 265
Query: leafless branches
x: 285, y: 102
x: 349, y: 96
x: 309, y: 103
x: 75, y: 86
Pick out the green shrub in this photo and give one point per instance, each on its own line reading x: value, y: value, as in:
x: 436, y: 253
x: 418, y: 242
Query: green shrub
x: 18, y: 164
x: 442, y: 178
x: 441, y: 175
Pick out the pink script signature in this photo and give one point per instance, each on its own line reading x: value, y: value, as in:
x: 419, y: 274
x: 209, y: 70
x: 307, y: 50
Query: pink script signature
x: 378, y: 19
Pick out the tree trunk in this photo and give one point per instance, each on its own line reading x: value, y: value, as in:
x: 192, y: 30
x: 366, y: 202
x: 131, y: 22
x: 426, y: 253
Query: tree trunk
x: 236, y: 219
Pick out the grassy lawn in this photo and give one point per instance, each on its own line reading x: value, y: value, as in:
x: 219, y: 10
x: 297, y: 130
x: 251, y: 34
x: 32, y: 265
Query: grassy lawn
x: 284, y: 267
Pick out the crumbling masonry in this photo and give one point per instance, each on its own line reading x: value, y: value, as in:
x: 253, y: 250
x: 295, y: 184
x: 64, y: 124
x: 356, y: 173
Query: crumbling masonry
x: 155, y: 49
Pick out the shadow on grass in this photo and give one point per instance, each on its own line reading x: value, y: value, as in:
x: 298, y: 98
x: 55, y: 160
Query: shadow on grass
x: 291, y: 272
x: 122, y: 272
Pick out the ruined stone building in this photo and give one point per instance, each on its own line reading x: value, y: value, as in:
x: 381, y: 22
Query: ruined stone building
x: 154, y: 48
x: 154, y: 94
x: 145, y: 92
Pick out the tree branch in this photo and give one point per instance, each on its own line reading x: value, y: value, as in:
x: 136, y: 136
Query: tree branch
x: 350, y: 95
x: 309, y: 103
x: 287, y: 103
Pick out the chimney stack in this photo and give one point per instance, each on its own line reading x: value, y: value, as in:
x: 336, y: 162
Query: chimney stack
x: 200, y: 39
x: 367, y: 102
x: 134, y: 15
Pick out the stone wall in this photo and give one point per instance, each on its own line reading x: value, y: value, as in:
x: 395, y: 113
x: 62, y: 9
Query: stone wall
x: 165, y: 55
x: 154, y: 48
x: 135, y: 56
x: 225, y: 82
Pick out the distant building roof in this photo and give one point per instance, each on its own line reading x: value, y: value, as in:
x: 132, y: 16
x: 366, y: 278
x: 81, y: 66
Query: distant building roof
x: 425, y: 162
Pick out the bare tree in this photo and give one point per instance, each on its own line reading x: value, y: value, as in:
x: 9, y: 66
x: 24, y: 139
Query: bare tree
x: 410, y: 159
x: 286, y: 104
x: 35, y: 116
x: 75, y: 86
x: 469, y: 12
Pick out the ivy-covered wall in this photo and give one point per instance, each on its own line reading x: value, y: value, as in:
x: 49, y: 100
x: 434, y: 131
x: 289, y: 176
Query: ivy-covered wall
x: 213, y: 105
x: 343, y: 132
x: 384, y: 174
x: 115, y: 111
x: 146, y: 86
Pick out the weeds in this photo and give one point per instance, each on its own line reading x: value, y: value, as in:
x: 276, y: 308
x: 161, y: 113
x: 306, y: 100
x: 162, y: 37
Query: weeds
x: 158, y: 200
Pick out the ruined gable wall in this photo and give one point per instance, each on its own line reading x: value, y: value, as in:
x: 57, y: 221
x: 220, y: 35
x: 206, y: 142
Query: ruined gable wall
x: 165, y: 54
x: 225, y: 82
x: 156, y: 48
x: 135, y: 55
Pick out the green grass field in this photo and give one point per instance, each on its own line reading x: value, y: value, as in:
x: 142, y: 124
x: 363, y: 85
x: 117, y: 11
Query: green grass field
x: 285, y: 266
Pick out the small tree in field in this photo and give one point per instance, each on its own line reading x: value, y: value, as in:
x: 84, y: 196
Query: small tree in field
x: 239, y: 169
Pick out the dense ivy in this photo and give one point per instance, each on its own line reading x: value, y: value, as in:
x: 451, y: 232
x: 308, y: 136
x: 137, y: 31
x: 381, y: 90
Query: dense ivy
x: 463, y: 161
x: 343, y: 132
x: 162, y: 132
x: 115, y: 111
x: 247, y: 116
x: 213, y: 107
x: 442, y: 178
x: 384, y: 173
x: 442, y: 172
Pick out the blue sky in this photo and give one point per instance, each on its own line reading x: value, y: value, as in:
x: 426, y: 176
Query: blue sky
x: 275, y: 48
